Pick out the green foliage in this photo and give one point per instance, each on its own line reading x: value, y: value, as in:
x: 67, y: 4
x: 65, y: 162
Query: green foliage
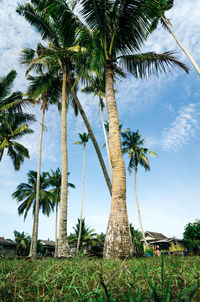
x: 136, y: 239
x: 14, y: 126
x: 147, y: 279
x: 191, y: 235
x: 88, y: 234
x: 9, y: 101
x: 26, y: 194
x: 133, y: 145
x: 150, y: 251
x: 23, y: 242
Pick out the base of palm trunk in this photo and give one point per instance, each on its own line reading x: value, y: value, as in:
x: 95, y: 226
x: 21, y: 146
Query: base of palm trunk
x: 63, y: 249
x: 117, y: 242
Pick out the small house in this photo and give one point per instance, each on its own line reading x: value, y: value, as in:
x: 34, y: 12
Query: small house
x: 7, y: 248
x: 167, y: 246
x: 49, y: 247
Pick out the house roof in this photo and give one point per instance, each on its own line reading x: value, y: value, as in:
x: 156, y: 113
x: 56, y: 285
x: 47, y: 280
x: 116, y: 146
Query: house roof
x: 154, y: 236
x: 47, y: 242
x: 5, y: 242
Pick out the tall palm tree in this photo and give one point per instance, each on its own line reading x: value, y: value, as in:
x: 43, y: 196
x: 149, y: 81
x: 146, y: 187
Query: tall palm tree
x: 119, y: 29
x: 26, y: 197
x: 84, y: 138
x: 59, y: 27
x: 57, y: 24
x: 13, y: 126
x: 133, y: 145
x: 55, y: 178
x: 47, y: 88
x: 160, y: 6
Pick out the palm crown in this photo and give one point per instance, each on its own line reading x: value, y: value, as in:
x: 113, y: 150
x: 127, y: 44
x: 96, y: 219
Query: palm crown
x: 26, y: 194
x: 133, y: 145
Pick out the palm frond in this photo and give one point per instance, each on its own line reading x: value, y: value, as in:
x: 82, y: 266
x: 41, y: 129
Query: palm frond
x: 144, y: 65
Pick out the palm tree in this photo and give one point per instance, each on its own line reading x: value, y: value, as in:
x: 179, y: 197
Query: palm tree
x: 59, y: 28
x: 14, y: 126
x: 84, y: 138
x: 26, y: 197
x: 160, y: 7
x: 8, y: 100
x: 57, y: 24
x: 119, y: 29
x: 46, y: 87
x: 55, y: 178
x: 87, y: 234
x: 133, y: 145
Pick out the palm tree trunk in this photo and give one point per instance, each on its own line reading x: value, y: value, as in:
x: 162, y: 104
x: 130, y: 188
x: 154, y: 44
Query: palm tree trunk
x: 81, y: 213
x: 56, y: 236
x: 89, y: 129
x: 1, y: 154
x: 194, y: 63
x: 36, y: 215
x: 63, y: 246
x: 138, y: 208
x: 105, y: 137
x: 30, y: 252
x: 118, y: 242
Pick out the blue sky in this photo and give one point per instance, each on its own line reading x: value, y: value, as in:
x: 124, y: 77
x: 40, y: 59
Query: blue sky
x: 166, y: 110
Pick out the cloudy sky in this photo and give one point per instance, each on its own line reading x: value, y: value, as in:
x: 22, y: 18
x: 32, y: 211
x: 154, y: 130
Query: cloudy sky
x: 166, y: 110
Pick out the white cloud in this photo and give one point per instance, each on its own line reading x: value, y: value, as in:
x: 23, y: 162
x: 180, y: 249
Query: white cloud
x: 182, y: 129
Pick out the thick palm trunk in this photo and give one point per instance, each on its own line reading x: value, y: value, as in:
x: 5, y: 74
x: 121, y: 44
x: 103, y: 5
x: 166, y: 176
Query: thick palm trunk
x: 105, y: 137
x: 63, y: 246
x: 118, y: 241
x: 56, y: 236
x: 194, y: 63
x: 81, y: 213
x: 138, y: 208
x: 36, y: 216
x: 89, y: 129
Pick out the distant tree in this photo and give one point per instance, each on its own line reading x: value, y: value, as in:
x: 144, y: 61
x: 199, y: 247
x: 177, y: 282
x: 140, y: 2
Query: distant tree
x: 191, y: 235
x: 23, y: 243
x: 84, y: 138
x: 13, y: 126
x: 133, y: 145
x: 136, y: 239
x: 26, y: 196
x: 88, y: 234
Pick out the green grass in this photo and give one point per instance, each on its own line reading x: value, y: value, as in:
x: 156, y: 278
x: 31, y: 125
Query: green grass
x: 150, y: 279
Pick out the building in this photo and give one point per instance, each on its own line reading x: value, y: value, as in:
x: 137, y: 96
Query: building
x: 7, y: 248
x: 167, y: 246
x: 49, y: 247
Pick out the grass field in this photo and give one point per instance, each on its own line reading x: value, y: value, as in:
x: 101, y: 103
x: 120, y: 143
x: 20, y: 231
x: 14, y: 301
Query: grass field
x: 150, y: 279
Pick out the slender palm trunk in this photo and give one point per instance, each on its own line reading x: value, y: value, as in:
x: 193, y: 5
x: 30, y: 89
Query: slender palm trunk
x: 89, y: 129
x: 105, y: 137
x: 81, y: 213
x: 138, y: 208
x: 56, y: 236
x: 36, y: 216
x: 63, y: 246
x: 118, y: 241
x: 194, y: 63
x: 30, y: 252
x: 1, y: 154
